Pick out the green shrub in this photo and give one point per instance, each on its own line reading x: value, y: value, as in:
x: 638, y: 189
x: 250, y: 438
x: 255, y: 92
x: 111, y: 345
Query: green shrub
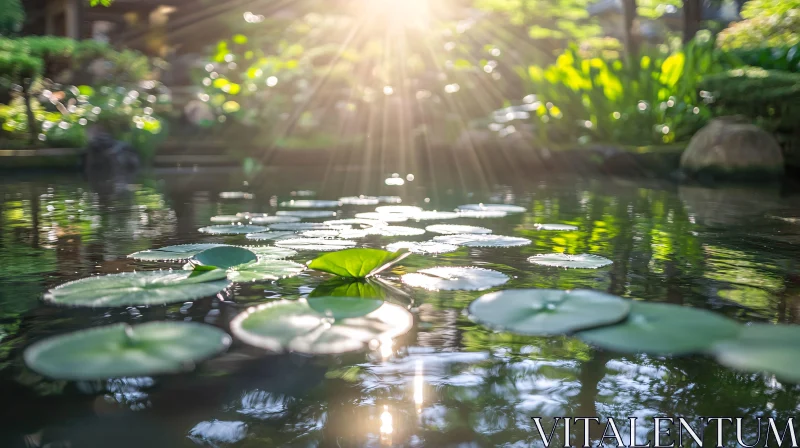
x: 785, y: 58
x: 768, y: 23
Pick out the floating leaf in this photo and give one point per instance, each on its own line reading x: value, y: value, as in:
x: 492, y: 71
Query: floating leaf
x: 343, y: 307
x: 455, y: 278
x: 297, y: 226
x: 122, y: 350
x: 581, y: 261
x: 360, y: 200
x: 251, y: 215
x: 274, y: 219
x: 482, y: 240
x: 433, y: 215
x: 559, y: 227
x: 453, y: 229
x: 348, y: 287
x: 227, y: 218
x: 236, y: 195
x: 307, y: 213
x: 264, y: 270
x: 138, y: 288
x: 293, y: 326
x: 493, y: 208
x: 231, y: 230
x: 385, y: 217
x: 425, y: 247
x: 548, y: 312
x: 271, y: 252
x: 481, y: 214
x: 224, y: 257
x: 309, y: 203
x: 763, y: 347
x: 172, y: 253
x: 664, y: 329
x: 402, y: 209
x: 264, y: 236
x: 357, y: 263
x: 318, y: 244
x: 327, y: 233
x: 356, y: 222
x: 397, y: 231
x: 390, y: 199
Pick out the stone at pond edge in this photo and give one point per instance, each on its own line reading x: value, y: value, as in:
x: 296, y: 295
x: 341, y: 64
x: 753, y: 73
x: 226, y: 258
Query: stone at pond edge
x: 728, y: 147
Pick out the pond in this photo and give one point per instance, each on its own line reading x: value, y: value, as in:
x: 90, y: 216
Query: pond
x: 447, y: 382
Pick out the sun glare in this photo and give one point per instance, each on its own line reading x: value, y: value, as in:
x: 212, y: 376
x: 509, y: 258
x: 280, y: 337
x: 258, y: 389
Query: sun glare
x: 405, y: 12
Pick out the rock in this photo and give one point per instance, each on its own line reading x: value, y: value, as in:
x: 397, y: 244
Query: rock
x: 107, y: 156
x: 733, y: 148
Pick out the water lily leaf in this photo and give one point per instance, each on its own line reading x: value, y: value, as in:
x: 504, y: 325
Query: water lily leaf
x: 390, y: 199
x: 360, y: 200
x: 385, y: 217
x: 236, y: 195
x: 397, y: 231
x: 402, y: 209
x: 481, y: 214
x: 348, y: 287
x: 548, y: 312
x: 425, y: 247
x: 264, y: 236
x: 231, y: 230
x: 357, y: 263
x: 264, y: 269
x: 138, y: 288
x: 473, y: 240
x: 431, y: 215
x: 227, y: 218
x: 763, y: 347
x: 455, y: 278
x: 493, y: 208
x: 293, y: 326
x: 356, y: 222
x: 297, y: 226
x: 269, y: 220
x: 664, y: 329
x: 343, y: 307
x: 308, y: 203
x: 224, y: 257
x: 581, y: 261
x: 318, y: 244
x: 307, y: 213
x: 271, y: 252
x: 122, y: 350
x: 172, y: 253
x: 251, y: 215
x: 560, y: 227
x: 320, y: 233
x: 454, y: 229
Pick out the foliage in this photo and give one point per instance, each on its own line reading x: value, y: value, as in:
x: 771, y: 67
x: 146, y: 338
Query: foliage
x: 12, y: 15
x: 594, y: 99
x: 785, y: 58
x: 771, y: 97
x: 542, y: 19
x: 357, y: 263
x: 768, y: 23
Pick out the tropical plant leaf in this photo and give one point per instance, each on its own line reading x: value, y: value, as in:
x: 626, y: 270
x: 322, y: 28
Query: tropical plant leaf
x: 449, y: 278
x: 265, y: 269
x: 347, y: 287
x: 224, y: 257
x: 357, y: 263
x: 172, y: 253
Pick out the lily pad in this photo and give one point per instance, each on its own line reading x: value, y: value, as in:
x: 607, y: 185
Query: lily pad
x: 455, y: 278
x: 482, y: 240
x: 402, y: 209
x: 481, y: 214
x: 271, y: 252
x: 432, y: 215
x: 357, y: 263
x: 311, y: 214
x: 310, y: 203
x: 293, y: 326
x: 297, y: 226
x: 348, y: 287
x: 454, y: 229
x: 265, y: 236
x: 318, y: 244
x: 493, y: 208
x: 548, y: 312
x: 172, y: 253
x: 385, y: 217
x: 390, y: 199
x: 138, y: 288
x: 581, y: 261
x: 357, y: 222
x: 360, y: 200
x: 664, y: 329
x: 763, y: 347
x: 325, y: 233
x: 397, y: 231
x: 122, y: 350
x: 269, y: 220
x: 264, y: 270
x: 251, y: 215
x: 224, y: 257
x: 236, y: 195
x: 343, y: 307
x: 424, y: 247
x: 231, y: 230
x: 559, y: 227
x: 227, y: 218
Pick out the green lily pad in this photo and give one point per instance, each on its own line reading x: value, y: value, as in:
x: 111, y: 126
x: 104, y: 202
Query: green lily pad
x: 343, y: 307
x: 548, y: 312
x: 493, y: 208
x: 138, y: 288
x: 251, y: 215
x: 763, y: 347
x: 581, y: 261
x: 227, y: 218
x: 262, y: 270
x: 449, y: 278
x: 310, y: 203
x: 360, y: 200
x: 265, y: 236
x: 347, y: 287
x: 236, y: 195
x: 356, y: 222
x: 293, y: 326
x: 664, y: 329
x: 357, y: 263
x: 397, y: 231
x: 323, y: 233
x: 224, y: 257
x: 559, y: 227
x: 433, y: 215
x: 122, y: 350
x: 473, y: 240
x: 172, y: 253
x: 270, y: 220
x: 307, y: 213
x: 454, y: 229
x: 424, y: 247
x: 231, y: 230
x: 401, y: 209
x: 385, y: 217
x: 298, y: 226
x: 481, y: 214
x: 271, y: 252
x: 317, y: 244
x: 390, y: 199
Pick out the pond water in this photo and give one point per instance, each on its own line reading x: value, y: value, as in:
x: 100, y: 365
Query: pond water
x: 449, y: 382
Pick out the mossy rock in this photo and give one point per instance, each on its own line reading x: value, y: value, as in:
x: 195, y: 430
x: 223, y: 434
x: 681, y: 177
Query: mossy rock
x: 731, y: 148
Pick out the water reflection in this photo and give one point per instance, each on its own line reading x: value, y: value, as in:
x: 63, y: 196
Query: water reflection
x: 449, y: 382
